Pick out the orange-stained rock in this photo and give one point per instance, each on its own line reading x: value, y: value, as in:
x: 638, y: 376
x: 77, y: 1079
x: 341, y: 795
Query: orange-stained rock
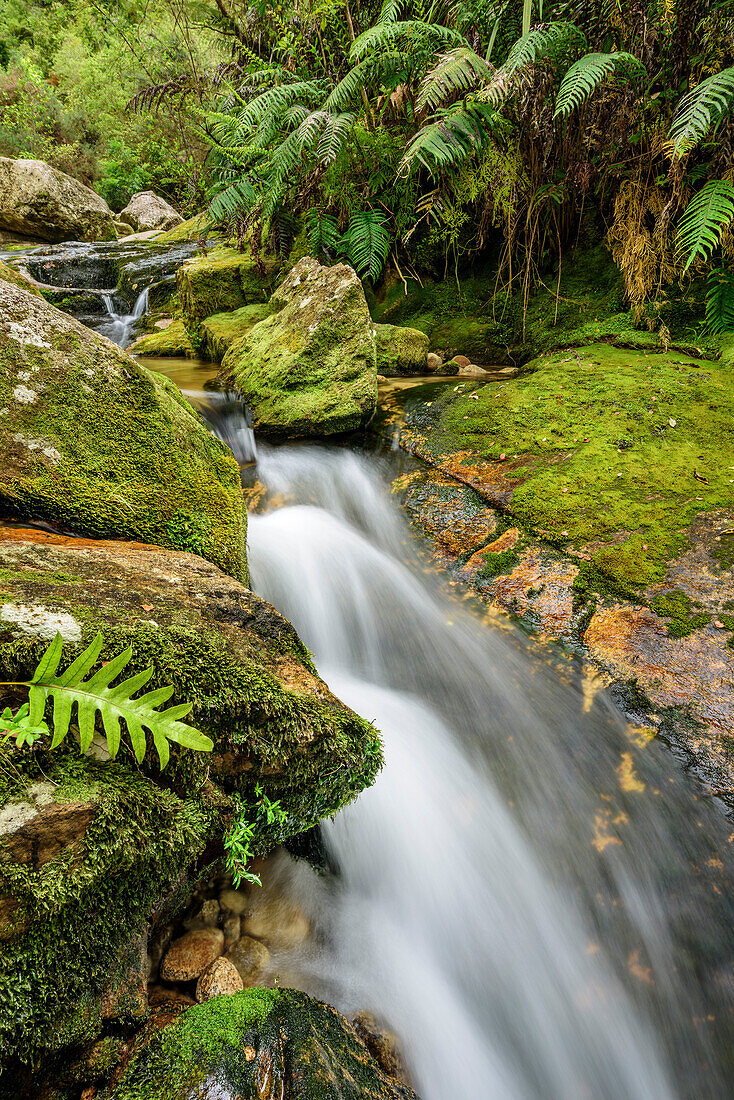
x: 219, y: 979
x: 191, y: 954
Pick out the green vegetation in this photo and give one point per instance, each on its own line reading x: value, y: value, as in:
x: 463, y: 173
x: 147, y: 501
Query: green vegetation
x: 608, y: 451
x: 678, y: 608
x: 240, y: 839
x: 96, y: 695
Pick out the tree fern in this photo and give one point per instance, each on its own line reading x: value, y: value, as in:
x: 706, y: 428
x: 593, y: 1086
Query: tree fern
x: 366, y: 243
x: 706, y: 217
x: 97, y: 696
x: 585, y: 76
x: 384, y: 36
x: 233, y: 202
x: 546, y: 40
x: 698, y: 111
x: 720, y: 301
x: 454, y: 136
x: 456, y: 73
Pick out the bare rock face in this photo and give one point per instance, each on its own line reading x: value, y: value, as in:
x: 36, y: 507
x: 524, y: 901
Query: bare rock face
x: 146, y: 211
x: 38, y: 201
x: 220, y: 979
x: 191, y: 954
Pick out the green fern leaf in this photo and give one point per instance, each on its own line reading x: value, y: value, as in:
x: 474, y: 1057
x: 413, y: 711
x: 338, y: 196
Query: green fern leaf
x: 456, y: 73
x: 698, y: 111
x: 585, y: 76
x: 366, y: 243
x: 322, y: 231
x: 547, y: 40
x: 114, y: 704
x: 384, y: 36
x: 706, y: 217
x: 720, y: 301
x: 454, y: 136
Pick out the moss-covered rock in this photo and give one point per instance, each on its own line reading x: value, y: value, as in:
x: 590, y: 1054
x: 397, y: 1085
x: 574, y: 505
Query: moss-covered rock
x: 401, y: 350
x: 220, y: 331
x: 221, y: 281
x: 91, y: 440
x: 37, y: 200
x: 259, y: 1045
x: 309, y: 368
x: 608, y: 452
x: 10, y: 275
x: 189, y: 230
x: 171, y: 341
x: 85, y: 865
x: 88, y: 852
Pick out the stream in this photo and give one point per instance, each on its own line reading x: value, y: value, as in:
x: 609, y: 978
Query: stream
x: 534, y: 895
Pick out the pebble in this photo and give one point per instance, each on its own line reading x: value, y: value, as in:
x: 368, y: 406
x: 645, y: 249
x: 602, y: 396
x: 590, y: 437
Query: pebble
x: 206, y: 917
x: 191, y: 954
x: 235, y: 901
x: 250, y: 958
x: 218, y: 980
x: 433, y: 362
x: 280, y: 924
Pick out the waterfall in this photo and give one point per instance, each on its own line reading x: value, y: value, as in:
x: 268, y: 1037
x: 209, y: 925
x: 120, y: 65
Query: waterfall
x: 500, y: 899
x: 118, y: 327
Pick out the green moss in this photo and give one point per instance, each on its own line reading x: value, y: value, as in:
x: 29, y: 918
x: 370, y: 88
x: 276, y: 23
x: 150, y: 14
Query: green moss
x: 605, y: 449
x: 400, y: 351
x: 677, y: 608
x: 220, y: 331
x: 504, y: 561
x: 189, y: 230
x: 223, y: 281
x: 723, y: 551
x: 171, y: 341
x: 69, y: 937
x: 129, y: 457
x: 10, y: 275
x: 309, y: 1049
x: 728, y: 621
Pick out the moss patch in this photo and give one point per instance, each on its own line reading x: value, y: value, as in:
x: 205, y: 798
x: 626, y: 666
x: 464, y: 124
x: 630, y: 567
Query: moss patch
x: 219, y: 332
x: 611, y: 451
x: 223, y: 281
x: 676, y: 606
x: 170, y: 341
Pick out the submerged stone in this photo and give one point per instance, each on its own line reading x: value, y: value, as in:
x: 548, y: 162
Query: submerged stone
x: 94, y: 442
x: 309, y: 368
x: 262, y: 1044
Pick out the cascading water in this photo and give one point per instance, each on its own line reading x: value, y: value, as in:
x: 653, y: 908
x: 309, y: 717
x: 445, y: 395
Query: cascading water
x: 118, y: 327
x: 525, y: 894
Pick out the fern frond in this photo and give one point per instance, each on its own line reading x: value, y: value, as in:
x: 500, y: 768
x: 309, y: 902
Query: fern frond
x: 366, y: 243
x: 456, y: 73
x: 390, y: 11
x: 114, y: 704
x: 334, y: 134
x: 233, y: 202
x: 384, y: 36
x: 706, y: 217
x: 700, y: 109
x: 553, y: 40
x: 720, y: 302
x: 322, y: 231
x: 452, y: 137
x: 349, y: 88
x: 586, y: 74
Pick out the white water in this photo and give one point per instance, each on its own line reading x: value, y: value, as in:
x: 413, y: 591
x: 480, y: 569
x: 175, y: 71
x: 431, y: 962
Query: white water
x: 478, y: 919
x: 119, y: 326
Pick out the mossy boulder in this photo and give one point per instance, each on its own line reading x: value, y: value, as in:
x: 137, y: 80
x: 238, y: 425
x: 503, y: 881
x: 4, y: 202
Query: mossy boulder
x: 309, y: 368
x: 223, y: 280
x: 91, y: 440
x: 89, y: 851
x: 39, y: 201
x: 86, y: 864
x: 259, y: 1045
x: 401, y: 350
x: 169, y: 342
x: 189, y: 230
x: 10, y: 275
x: 219, y: 332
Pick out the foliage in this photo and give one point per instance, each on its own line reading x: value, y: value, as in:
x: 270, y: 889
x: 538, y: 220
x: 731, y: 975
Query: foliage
x: 586, y: 74
x: 97, y: 695
x: 706, y: 217
x: 701, y: 109
x: 241, y: 836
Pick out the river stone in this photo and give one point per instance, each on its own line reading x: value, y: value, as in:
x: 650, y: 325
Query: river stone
x: 219, y: 979
x: 401, y: 351
x: 263, y: 1043
x: 191, y: 954
x: 236, y: 901
x: 250, y: 958
x: 434, y: 362
x: 309, y: 368
x: 94, y: 442
x: 207, y: 916
x: 277, y: 922
x: 10, y: 275
x: 41, y: 202
x: 146, y: 211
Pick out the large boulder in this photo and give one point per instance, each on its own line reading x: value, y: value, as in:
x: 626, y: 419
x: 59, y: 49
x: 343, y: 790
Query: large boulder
x: 262, y: 1043
x: 147, y: 211
x: 309, y: 368
x: 38, y: 201
x: 91, y: 440
x: 221, y: 281
x: 401, y: 351
x: 88, y: 864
